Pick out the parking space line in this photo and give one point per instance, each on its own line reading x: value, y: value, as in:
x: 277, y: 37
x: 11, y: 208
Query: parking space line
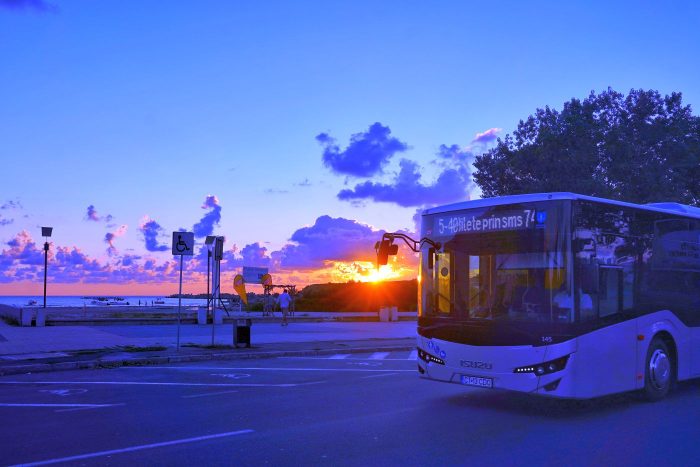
x: 379, y: 375
x: 339, y: 356
x: 208, y: 394
x: 210, y: 368
x: 413, y: 355
x: 145, y: 383
x: 136, y: 448
x: 92, y: 406
x: 378, y: 355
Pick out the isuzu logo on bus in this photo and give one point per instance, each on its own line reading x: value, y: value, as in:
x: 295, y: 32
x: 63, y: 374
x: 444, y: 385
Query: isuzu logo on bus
x: 477, y: 365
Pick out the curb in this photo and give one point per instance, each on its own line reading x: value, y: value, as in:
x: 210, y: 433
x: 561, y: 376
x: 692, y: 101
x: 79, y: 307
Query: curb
x: 160, y: 360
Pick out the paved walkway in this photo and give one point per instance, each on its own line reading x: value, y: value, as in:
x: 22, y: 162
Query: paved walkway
x: 22, y: 340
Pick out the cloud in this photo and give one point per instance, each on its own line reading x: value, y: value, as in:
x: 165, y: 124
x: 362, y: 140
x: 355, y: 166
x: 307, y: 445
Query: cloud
x: 150, y: 230
x: 488, y: 136
x: 92, y: 215
x: 110, y: 236
x: 365, y: 156
x: 329, y: 239
x: 407, y: 190
x: 206, y: 224
x: 24, y: 261
x: 454, y: 154
x: 10, y: 205
x: 39, y: 5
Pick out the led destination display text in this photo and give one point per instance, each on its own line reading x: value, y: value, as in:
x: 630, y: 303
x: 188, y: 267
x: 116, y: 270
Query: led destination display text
x: 490, y: 222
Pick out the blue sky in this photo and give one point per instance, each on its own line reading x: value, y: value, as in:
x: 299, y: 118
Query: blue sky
x: 146, y: 108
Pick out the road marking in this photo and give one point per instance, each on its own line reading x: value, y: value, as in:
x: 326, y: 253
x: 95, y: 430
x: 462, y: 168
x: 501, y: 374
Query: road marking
x: 135, y: 448
x: 365, y: 363
x: 57, y: 405
x: 64, y: 392
x: 413, y: 355
x: 379, y: 375
x: 210, y: 368
x: 144, y: 383
x: 361, y: 359
x: 232, y: 375
x: 208, y: 394
x: 378, y: 355
x: 339, y: 356
x: 86, y: 408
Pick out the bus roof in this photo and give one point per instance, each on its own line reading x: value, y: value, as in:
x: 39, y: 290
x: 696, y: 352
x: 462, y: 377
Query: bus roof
x: 671, y: 208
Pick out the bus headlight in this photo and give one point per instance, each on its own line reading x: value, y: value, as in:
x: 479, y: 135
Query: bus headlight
x: 545, y: 368
x: 426, y: 357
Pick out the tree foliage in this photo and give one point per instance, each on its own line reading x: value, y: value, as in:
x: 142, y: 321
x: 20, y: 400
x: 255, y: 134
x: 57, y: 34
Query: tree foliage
x: 639, y: 148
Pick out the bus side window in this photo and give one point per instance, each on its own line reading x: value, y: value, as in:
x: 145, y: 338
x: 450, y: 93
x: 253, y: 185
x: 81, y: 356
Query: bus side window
x: 609, y: 291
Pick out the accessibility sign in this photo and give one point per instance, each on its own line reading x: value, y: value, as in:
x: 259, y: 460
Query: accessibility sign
x: 183, y: 243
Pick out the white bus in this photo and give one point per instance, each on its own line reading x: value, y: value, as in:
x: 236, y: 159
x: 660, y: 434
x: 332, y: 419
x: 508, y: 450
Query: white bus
x: 559, y: 294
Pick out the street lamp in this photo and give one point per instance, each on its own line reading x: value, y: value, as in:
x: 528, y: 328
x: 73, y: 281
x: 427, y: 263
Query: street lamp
x: 208, y: 242
x: 46, y: 233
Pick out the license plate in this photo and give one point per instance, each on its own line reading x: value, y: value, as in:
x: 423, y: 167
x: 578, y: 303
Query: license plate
x: 478, y: 381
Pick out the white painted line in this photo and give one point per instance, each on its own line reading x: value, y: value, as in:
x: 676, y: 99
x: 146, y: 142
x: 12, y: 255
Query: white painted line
x: 208, y: 394
x: 413, y: 355
x: 339, y: 356
x: 135, y: 448
x: 379, y: 376
x: 378, y: 355
x: 57, y: 405
x: 361, y: 359
x: 143, y: 383
x: 86, y: 408
x: 210, y: 368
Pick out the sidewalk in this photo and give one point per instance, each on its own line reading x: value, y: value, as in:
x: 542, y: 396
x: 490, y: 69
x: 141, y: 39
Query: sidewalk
x: 24, y: 349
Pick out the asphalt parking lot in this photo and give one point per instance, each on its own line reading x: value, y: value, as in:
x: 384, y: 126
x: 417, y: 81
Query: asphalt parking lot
x: 342, y: 409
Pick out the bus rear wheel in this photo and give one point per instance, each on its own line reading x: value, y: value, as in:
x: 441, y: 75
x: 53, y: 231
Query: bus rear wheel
x: 659, y: 374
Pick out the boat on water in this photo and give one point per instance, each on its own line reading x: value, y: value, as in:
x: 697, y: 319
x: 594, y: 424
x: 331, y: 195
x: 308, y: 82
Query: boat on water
x: 159, y: 301
x: 31, y: 303
x: 107, y: 301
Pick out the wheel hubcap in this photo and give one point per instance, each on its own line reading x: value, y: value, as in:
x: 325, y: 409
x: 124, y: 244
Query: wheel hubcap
x: 659, y: 369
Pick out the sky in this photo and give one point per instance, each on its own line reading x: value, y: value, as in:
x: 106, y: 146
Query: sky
x: 300, y: 131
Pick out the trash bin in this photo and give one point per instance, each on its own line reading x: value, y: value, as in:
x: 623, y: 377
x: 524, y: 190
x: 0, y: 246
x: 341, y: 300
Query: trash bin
x: 241, y: 332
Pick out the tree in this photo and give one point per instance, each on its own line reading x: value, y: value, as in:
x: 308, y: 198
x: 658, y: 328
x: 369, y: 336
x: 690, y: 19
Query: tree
x: 639, y: 148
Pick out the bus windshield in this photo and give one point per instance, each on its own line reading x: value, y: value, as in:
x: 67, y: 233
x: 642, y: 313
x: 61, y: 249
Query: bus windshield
x: 501, y: 263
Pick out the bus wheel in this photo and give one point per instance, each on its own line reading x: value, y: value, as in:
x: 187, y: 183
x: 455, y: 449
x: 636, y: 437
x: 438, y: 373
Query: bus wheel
x: 658, y: 377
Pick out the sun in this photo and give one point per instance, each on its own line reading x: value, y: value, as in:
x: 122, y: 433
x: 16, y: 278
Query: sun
x: 364, y: 271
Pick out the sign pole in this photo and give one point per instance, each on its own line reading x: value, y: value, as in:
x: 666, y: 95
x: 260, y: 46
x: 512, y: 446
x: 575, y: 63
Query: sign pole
x: 179, y: 306
x: 183, y: 245
x: 213, y: 305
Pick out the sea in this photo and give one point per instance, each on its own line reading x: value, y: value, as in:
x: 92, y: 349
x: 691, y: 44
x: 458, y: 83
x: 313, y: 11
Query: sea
x: 72, y: 301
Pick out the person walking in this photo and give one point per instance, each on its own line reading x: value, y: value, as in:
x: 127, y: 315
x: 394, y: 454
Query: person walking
x: 284, y: 301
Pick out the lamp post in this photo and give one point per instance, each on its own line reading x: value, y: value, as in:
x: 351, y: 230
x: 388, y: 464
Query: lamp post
x: 208, y: 242
x: 46, y: 233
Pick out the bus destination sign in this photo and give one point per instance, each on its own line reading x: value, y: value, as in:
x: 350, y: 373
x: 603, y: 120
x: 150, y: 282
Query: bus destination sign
x: 490, y: 222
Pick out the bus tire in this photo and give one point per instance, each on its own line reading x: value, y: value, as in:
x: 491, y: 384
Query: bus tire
x: 658, y: 371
